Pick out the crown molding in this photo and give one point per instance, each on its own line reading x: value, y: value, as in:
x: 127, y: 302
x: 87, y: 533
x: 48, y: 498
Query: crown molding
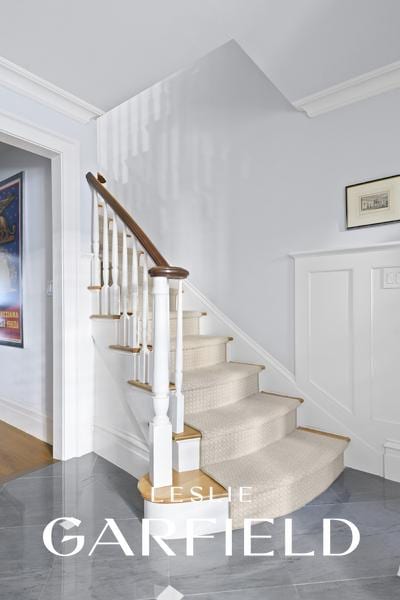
x: 24, y: 82
x: 353, y: 90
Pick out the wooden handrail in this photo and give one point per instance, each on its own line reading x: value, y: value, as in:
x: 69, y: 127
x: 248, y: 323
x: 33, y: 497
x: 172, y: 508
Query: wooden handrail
x: 162, y: 267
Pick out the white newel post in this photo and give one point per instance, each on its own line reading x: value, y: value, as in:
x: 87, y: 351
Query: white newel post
x: 96, y: 264
x: 160, y: 427
x: 105, y: 290
x: 115, y: 305
x: 178, y: 408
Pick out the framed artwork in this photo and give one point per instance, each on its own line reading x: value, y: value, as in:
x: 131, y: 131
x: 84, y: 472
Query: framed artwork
x: 11, y: 197
x: 373, y: 202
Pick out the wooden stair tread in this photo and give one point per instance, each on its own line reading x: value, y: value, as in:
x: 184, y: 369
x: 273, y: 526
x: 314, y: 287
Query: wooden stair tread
x: 336, y: 436
x: 189, y: 433
x: 204, y: 485
x: 127, y: 349
x: 147, y: 386
x: 187, y: 314
x: 105, y: 317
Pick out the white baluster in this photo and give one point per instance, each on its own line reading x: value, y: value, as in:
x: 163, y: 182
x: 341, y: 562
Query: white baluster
x: 177, y: 401
x: 115, y: 303
x: 105, y: 290
x: 96, y: 263
x: 144, y: 351
x: 134, y: 339
x: 160, y: 427
x: 124, y: 322
x: 134, y: 322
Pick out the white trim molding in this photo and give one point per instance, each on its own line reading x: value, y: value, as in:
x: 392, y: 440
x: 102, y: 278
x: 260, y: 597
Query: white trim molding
x: 29, y: 420
x: 392, y: 460
x: 68, y: 434
x: 364, y: 86
x: 28, y: 84
x: 123, y: 449
x: 349, y: 250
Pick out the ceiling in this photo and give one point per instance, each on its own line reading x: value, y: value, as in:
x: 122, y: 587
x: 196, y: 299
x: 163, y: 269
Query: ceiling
x: 107, y: 52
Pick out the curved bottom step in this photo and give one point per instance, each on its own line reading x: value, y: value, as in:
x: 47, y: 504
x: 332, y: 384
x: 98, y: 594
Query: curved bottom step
x: 282, y: 477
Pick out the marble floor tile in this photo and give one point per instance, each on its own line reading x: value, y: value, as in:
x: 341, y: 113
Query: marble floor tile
x: 92, y: 489
x: 106, y: 580
x: 356, y: 486
x: 31, y: 501
x: 102, y: 498
x: 210, y: 572
x: 377, y: 555
x: 267, y: 542
x: 74, y: 469
x: 382, y: 588
x: 109, y: 492
x: 24, y: 586
x: 369, y: 516
x: 268, y: 593
x: 327, y: 497
x: 108, y: 548
x: 22, y: 551
x: 105, y: 471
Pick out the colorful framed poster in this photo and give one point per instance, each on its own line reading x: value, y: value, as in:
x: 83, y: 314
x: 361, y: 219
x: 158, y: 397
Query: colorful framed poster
x: 11, y: 197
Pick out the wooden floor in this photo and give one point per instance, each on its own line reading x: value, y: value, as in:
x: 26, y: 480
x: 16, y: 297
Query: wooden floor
x: 21, y: 453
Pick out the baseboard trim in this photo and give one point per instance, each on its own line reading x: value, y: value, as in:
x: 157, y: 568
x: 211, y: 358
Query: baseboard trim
x: 391, y: 460
x: 31, y: 421
x: 125, y: 450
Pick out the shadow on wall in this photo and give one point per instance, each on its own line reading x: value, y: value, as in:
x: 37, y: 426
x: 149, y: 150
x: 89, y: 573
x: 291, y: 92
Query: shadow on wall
x: 227, y: 178
x: 178, y: 149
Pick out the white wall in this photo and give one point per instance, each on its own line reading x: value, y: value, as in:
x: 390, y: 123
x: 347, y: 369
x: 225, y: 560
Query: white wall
x: 229, y: 179
x: 33, y: 112
x: 26, y: 373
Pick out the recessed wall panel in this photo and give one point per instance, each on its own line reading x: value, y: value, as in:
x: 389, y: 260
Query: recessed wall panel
x: 330, y: 335
x: 385, y: 349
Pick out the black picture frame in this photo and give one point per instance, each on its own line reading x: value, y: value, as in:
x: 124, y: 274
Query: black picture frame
x: 364, y: 183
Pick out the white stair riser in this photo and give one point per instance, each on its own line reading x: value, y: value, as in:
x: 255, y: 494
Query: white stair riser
x: 239, y: 443
x: 95, y: 301
x: 186, y: 455
x: 207, y: 398
x: 191, y: 326
x: 178, y: 514
x: 194, y: 358
x: 280, y: 501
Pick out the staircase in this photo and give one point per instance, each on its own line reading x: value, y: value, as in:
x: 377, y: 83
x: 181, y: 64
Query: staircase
x: 214, y: 434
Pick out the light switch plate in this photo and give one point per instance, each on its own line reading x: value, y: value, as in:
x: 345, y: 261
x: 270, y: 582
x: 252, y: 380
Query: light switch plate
x: 391, y: 277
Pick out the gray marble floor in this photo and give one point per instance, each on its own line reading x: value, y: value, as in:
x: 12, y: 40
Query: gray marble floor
x: 92, y: 489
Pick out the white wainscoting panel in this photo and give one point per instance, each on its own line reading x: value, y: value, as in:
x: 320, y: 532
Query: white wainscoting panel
x: 331, y: 364
x: 385, y: 351
x: 348, y: 344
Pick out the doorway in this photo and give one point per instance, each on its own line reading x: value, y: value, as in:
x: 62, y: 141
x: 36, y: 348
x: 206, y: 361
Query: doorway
x: 67, y: 435
x: 26, y: 337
